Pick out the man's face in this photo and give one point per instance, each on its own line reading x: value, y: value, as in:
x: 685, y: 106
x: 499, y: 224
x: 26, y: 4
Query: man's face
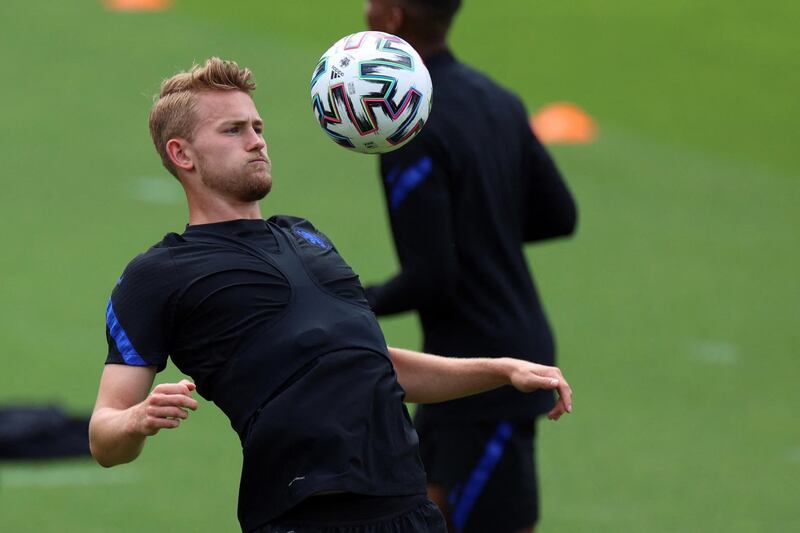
x: 379, y: 15
x: 228, y: 149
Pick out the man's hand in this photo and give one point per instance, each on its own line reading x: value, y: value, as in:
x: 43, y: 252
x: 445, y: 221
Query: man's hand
x: 164, y: 408
x: 127, y: 412
x: 528, y: 377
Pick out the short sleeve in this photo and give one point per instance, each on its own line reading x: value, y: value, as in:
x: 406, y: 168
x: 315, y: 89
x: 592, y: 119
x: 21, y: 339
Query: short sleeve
x: 139, y: 312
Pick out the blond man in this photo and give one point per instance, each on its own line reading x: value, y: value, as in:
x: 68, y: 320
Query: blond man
x: 273, y: 326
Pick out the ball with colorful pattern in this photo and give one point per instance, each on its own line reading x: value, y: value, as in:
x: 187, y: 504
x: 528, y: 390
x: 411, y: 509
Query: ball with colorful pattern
x: 371, y: 92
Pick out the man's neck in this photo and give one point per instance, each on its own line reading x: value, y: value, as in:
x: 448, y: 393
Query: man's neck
x: 426, y: 50
x: 217, y: 209
x: 424, y: 47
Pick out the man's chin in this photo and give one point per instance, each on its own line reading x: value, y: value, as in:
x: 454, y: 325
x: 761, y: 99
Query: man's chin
x: 244, y: 188
x: 257, y: 191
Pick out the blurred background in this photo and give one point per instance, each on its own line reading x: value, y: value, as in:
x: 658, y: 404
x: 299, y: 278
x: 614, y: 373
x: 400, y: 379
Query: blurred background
x: 676, y: 307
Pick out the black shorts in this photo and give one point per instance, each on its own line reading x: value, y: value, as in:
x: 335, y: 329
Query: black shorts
x: 487, y: 472
x: 350, y: 513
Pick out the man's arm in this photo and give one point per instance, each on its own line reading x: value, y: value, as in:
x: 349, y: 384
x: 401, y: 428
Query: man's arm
x: 430, y: 379
x: 420, y: 211
x: 549, y: 206
x: 125, y: 414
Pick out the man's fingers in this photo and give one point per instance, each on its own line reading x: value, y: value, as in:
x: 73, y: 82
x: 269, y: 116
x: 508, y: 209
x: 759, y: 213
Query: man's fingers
x: 531, y: 381
x: 556, y: 412
x: 529, y: 377
x: 183, y: 387
x: 564, y: 403
x: 544, y: 382
x: 564, y: 390
x: 167, y: 405
x: 565, y: 395
x: 162, y: 423
x: 173, y: 400
x: 167, y: 412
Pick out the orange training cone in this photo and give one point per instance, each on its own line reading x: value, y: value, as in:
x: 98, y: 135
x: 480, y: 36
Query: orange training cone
x: 563, y: 123
x: 137, y: 5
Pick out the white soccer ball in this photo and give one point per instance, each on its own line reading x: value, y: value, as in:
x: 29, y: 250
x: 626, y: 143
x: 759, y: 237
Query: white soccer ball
x: 371, y: 92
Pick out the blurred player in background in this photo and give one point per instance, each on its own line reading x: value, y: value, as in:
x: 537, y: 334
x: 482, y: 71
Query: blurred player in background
x: 463, y: 198
x: 273, y: 326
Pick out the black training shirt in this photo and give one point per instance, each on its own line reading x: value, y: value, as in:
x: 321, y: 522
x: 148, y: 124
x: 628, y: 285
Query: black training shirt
x: 462, y: 198
x: 273, y: 326
x: 200, y: 303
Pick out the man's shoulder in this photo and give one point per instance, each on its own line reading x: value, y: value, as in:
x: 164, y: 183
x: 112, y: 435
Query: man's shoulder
x: 471, y: 84
x: 293, y: 224
x: 288, y: 221
x: 301, y: 229
x: 156, y: 260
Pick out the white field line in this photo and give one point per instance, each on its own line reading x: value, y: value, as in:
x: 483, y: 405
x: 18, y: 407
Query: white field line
x: 55, y: 476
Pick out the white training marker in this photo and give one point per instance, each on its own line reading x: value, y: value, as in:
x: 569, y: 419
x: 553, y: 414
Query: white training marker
x: 716, y: 352
x: 163, y: 190
x: 794, y: 456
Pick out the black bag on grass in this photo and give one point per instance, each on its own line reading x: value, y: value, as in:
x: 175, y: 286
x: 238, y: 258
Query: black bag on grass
x: 42, y: 432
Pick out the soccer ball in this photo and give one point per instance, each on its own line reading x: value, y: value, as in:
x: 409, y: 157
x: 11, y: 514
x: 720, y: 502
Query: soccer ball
x: 371, y: 92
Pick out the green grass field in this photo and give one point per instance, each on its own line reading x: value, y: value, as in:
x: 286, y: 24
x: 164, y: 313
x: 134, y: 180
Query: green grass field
x: 676, y: 307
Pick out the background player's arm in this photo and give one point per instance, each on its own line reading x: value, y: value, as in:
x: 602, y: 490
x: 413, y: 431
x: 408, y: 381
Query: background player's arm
x: 125, y: 414
x: 421, y: 216
x: 430, y: 378
x: 549, y: 208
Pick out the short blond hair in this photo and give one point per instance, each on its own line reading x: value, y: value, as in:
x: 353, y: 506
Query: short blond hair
x: 174, y: 109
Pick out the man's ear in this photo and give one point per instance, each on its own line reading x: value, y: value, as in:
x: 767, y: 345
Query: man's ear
x: 180, y: 154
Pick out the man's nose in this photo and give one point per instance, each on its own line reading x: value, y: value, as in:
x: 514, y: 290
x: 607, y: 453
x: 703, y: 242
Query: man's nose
x: 256, y: 141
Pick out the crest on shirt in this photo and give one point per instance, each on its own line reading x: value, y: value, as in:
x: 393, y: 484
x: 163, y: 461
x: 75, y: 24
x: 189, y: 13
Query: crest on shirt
x: 311, y: 237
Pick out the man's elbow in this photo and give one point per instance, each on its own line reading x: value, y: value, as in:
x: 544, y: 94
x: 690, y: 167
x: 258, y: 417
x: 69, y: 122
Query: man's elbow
x: 568, y: 224
x: 105, y: 452
x: 555, y: 228
x: 566, y: 220
x: 564, y: 223
x: 99, y: 455
x: 103, y: 463
x: 106, y: 459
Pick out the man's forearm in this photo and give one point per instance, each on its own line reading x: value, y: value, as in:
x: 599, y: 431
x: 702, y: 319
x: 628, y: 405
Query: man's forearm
x: 430, y: 379
x: 125, y: 414
x: 112, y: 437
x: 416, y: 286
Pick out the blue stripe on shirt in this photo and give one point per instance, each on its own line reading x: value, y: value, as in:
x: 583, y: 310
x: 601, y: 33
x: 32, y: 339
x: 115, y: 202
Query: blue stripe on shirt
x: 126, y: 349
x: 403, y: 181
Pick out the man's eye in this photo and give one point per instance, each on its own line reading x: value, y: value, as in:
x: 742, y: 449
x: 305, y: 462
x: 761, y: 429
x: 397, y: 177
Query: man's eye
x: 234, y: 129
x: 259, y: 130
